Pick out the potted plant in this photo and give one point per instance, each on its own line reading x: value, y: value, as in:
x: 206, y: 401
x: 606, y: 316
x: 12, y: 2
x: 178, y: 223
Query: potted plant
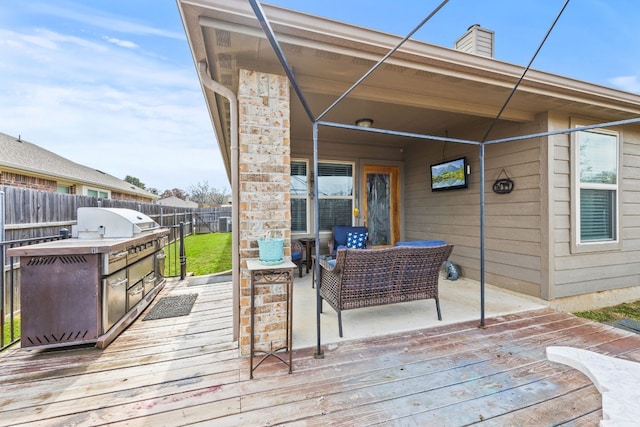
x: 271, y: 249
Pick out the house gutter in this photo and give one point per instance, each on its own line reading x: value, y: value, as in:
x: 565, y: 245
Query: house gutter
x: 221, y: 90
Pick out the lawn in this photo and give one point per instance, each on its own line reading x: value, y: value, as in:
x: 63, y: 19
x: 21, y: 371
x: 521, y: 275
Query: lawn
x: 610, y: 314
x: 7, y: 330
x: 206, y: 254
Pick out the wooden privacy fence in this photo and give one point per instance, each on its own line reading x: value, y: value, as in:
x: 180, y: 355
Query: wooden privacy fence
x: 30, y: 213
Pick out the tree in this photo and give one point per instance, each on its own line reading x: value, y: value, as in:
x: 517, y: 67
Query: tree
x: 208, y: 197
x: 135, y: 181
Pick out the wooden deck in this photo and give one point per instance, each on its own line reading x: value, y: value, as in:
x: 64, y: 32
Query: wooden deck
x: 185, y: 371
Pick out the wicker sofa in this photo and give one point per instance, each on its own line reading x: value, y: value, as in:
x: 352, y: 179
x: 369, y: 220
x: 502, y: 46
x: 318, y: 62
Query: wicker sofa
x: 360, y: 278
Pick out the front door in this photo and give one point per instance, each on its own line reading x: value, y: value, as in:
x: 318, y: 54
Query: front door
x: 382, y: 204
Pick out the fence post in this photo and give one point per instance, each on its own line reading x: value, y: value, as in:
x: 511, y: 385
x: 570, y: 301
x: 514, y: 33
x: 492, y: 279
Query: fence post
x: 183, y: 257
x: 2, y: 279
x: 2, y: 214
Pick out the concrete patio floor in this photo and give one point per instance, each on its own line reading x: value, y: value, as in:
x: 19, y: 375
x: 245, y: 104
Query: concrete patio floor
x: 459, y: 302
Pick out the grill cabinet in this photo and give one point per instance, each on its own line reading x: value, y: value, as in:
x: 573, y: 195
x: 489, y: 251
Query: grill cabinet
x: 89, y: 288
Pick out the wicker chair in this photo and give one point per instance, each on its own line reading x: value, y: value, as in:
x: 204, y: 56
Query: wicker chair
x: 297, y: 255
x: 369, y: 277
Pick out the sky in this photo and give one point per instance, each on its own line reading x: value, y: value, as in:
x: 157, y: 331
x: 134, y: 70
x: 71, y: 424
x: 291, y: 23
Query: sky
x: 111, y: 84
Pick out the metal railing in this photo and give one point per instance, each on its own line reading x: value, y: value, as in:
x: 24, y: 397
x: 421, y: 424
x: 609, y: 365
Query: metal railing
x: 176, y: 259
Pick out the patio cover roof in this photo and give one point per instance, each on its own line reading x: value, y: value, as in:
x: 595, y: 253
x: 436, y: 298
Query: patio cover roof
x: 422, y: 88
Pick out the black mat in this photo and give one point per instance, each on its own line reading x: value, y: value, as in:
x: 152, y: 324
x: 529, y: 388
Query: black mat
x: 207, y: 280
x: 175, y: 306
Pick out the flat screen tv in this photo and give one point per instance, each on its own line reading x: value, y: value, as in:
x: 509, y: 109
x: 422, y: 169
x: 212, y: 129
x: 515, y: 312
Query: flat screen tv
x: 449, y: 175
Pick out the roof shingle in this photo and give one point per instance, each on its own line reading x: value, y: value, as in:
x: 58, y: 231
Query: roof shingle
x: 23, y: 155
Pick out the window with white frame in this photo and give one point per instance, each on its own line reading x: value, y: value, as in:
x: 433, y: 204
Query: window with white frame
x: 64, y: 189
x: 335, y: 194
x: 299, y: 196
x: 597, y: 179
x: 97, y: 193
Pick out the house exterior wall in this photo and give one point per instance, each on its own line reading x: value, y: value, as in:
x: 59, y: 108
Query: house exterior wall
x: 27, y: 181
x: 596, y: 274
x: 43, y: 184
x: 528, y: 246
x: 515, y: 224
x: 264, y: 197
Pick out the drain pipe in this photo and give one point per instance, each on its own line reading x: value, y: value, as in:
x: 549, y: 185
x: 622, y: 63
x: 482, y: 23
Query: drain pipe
x: 216, y: 87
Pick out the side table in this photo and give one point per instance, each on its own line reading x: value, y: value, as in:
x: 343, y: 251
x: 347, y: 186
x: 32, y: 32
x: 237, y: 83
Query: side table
x: 309, y: 243
x: 262, y: 274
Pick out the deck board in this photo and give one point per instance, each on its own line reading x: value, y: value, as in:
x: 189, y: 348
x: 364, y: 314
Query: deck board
x: 186, y: 371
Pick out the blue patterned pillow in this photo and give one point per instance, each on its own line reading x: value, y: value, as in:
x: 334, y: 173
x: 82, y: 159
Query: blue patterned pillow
x: 356, y: 240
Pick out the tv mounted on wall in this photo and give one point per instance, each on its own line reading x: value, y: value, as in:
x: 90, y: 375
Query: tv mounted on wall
x: 450, y: 175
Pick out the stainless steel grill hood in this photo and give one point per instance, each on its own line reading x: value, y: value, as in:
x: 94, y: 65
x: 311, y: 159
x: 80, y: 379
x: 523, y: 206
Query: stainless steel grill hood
x: 111, y: 223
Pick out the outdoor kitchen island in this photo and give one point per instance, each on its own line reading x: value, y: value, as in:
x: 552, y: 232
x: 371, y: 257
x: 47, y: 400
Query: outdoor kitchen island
x: 89, y: 288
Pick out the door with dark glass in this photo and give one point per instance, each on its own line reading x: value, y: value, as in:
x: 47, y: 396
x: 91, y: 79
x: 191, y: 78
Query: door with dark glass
x: 381, y: 204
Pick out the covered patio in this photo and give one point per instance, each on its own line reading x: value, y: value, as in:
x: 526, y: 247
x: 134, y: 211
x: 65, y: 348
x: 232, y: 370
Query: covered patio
x: 186, y: 371
x: 287, y: 92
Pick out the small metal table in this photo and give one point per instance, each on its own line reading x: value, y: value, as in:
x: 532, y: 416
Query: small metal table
x: 309, y: 243
x: 262, y: 274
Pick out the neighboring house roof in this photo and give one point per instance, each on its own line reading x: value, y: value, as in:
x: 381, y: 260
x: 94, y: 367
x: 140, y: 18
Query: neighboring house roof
x: 20, y: 155
x: 177, y: 202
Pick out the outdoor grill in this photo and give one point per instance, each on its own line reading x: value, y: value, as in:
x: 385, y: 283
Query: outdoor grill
x: 89, y: 288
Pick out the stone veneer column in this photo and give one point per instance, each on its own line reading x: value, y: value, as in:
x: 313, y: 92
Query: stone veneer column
x: 264, y: 197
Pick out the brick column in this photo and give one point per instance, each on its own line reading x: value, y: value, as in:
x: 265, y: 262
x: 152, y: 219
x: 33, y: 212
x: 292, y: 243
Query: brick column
x: 264, y: 195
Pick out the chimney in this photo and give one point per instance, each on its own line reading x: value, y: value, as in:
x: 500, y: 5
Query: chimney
x: 476, y: 40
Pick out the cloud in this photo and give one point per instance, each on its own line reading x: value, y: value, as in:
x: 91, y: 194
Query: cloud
x: 121, y: 43
x: 628, y: 83
x: 100, y: 19
x: 126, y: 111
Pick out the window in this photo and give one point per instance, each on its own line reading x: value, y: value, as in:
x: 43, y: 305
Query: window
x: 97, y: 193
x: 335, y: 194
x: 64, y: 189
x: 299, y: 197
x: 597, y: 186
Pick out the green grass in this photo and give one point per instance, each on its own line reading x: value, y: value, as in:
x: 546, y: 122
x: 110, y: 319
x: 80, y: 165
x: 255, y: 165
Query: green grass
x: 7, y: 330
x: 206, y: 254
x: 610, y: 314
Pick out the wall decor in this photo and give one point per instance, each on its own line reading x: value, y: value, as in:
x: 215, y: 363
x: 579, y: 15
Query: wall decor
x: 503, y: 185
